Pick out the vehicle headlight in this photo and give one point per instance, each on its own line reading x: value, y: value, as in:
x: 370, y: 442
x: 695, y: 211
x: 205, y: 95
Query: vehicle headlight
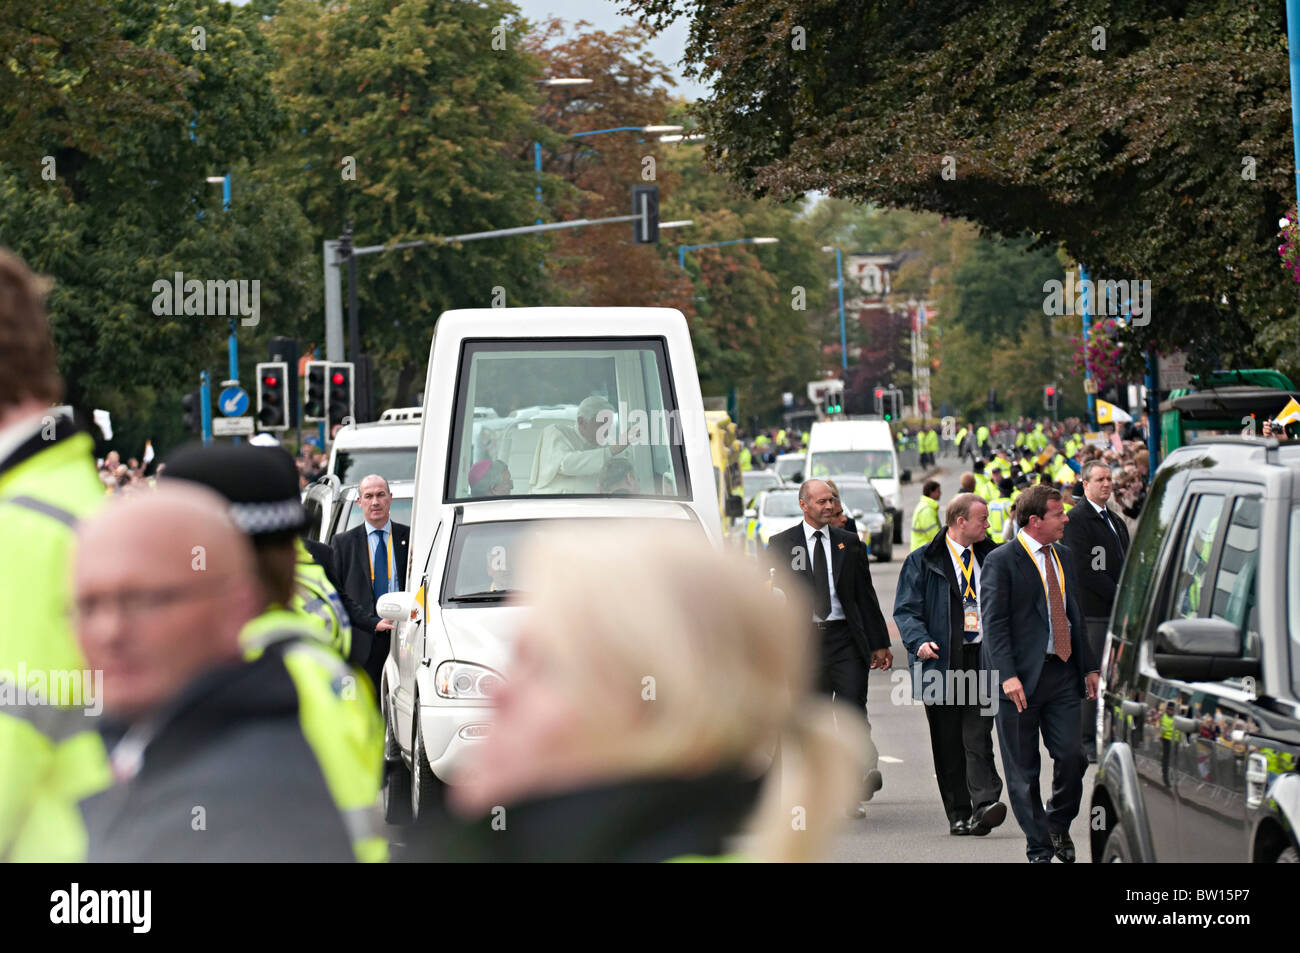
x: 465, y: 680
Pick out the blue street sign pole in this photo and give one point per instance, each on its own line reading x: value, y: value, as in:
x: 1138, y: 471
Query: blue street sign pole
x: 1293, y: 54
x: 205, y: 406
x: 233, y: 343
x: 839, y: 280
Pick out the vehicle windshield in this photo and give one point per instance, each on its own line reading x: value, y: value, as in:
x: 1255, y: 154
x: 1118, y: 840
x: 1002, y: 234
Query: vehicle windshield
x: 755, y: 480
x: 781, y: 504
x: 860, y: 499
x: 399, y: 512
x: 571, y: 418
x: 876, y: 464
x: 789, y: 468
x: 481, y: 563
x: 392, y: 463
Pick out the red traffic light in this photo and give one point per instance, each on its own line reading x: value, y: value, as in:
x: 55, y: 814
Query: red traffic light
x: 1051, y: 391
x: 270, y: 380
x: 337, y: 378
x: 879, y: 392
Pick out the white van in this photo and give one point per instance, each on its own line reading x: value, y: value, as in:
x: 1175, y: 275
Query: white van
x: 533, y: 368
x: 861, y: 448
x: 387, y: 447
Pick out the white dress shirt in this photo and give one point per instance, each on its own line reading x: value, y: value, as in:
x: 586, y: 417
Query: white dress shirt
x: 1110, y: 521
x: 837, y: 610
x: 1041, y: 556
x: 960, y: 571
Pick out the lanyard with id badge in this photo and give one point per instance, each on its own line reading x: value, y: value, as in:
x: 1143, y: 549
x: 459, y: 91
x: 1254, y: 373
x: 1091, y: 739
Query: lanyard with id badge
x: 970, y: 615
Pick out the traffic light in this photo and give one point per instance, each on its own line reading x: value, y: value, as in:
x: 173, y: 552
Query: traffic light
x: 286, y: 350
x: 645, y: 205
x: 1049, y: 397
x: 341, y: 393
x: 273, y: 395
x: 191, y: 412
x: 313, y: 407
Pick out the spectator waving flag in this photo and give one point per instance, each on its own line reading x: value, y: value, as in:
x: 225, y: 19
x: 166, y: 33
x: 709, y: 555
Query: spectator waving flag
x: 1289, y: 414
x: 1108, y: 413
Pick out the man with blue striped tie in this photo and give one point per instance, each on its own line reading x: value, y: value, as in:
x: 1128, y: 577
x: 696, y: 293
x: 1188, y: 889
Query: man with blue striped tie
x: 372, y: 562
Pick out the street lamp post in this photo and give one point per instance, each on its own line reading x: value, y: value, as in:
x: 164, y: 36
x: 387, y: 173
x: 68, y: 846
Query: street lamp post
x: 839, y: 283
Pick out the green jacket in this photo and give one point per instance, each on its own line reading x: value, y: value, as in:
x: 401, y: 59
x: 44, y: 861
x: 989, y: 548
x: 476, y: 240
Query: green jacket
x: 925, y: 522
x: 50, y: 757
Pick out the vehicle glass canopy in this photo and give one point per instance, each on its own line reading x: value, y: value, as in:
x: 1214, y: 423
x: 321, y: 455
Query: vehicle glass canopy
x: 391, y: 463
x: 573, y: 418
x: 876, y: 464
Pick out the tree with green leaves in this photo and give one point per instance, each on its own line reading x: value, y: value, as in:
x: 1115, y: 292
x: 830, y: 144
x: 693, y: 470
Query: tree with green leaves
x: 1149, y: 139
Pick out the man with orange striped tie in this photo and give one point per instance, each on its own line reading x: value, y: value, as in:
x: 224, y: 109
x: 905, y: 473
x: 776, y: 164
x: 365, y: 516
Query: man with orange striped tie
x: 1036, y: 643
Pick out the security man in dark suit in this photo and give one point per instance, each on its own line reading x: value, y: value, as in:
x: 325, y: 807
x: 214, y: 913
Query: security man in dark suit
x: 937, y: 612
x: 834, y: 568
x: 1035, y: 639
x: 371, y: 562
x: 1098, y: 540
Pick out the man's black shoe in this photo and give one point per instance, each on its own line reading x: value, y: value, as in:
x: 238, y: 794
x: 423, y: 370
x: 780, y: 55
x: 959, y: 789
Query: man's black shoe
x: 1090, y: 752
x: 872, y: 783
x: 1040, y: 860
x: 959, y: 827
x: 1064, y: 848
x: 987, y: 818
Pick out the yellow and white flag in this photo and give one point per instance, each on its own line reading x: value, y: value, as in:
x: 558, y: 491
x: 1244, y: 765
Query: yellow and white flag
x: 1108, y: 413
x: 1289, y: 414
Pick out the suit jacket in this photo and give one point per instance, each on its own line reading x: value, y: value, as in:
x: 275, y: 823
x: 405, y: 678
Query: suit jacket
x: 1086, y: 531
x: 928, y: 607
x: 1013, y: 612
x: 851, y: 572
x: 325, y: 558
x: 352, y: 561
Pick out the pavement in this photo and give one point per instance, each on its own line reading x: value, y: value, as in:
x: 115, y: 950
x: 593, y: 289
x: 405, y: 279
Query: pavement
x: 905, y: 821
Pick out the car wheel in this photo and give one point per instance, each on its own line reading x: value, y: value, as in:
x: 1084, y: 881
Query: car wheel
x: 397, y: 780
x: 898, y: 527
x: 1289, y: 856
x: 1115, y: 850
x: 426, y: 789
x: 886, y: 553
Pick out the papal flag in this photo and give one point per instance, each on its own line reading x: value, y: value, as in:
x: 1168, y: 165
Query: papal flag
x: 1289, y: 414
x: 1108, y: 413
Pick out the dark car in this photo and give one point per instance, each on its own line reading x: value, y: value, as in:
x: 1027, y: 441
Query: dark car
x: 1199, y: 723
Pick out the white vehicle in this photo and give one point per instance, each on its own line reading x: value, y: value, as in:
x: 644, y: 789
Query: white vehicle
x: 387, y: 447
x: 649, y: 460
x: 774, y: 511
x: 859, y: 448
x: 790, y: 466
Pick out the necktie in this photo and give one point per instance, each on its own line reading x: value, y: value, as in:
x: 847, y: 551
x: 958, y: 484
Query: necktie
x: 821, y: 580
x: 381, y: 566
x: 1056, y: 609
x: 969, y: 588
x: 1105, y: 514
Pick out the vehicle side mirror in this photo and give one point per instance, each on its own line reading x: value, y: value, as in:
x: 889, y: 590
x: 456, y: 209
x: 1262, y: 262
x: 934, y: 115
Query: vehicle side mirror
x: 906, y: 477
x: 797, y: 478
x: 751, y: 514
x: 735, y: 507
x: 396, y: 606
x: 1202, y: 650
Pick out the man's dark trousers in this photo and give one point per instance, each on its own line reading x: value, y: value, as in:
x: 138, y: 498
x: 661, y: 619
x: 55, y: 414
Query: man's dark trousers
x: 1053, y: 707
x: 844, y: 672
x: 1088, y: 709
x: 962, y: 742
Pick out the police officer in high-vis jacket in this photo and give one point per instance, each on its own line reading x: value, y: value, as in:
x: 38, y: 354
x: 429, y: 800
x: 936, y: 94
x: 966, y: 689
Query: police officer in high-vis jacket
x: 50, y: 755
x: 339, y: 711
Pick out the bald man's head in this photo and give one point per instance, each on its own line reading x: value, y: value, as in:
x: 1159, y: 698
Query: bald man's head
x: 163, y: 583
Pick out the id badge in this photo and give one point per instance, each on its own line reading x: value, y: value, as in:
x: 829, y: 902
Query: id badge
x: 971, y: 616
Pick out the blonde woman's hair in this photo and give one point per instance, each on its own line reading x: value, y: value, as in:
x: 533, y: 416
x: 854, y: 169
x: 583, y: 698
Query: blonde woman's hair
x: 686, y: 663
